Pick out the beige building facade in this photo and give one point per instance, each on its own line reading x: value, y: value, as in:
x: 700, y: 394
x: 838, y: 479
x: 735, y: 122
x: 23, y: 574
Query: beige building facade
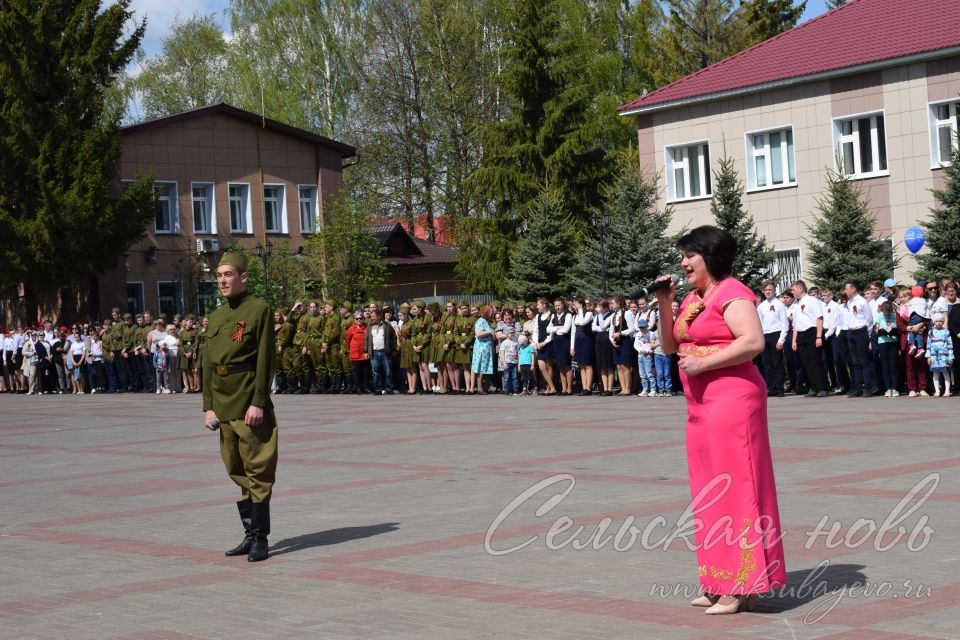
x: 887, y: 124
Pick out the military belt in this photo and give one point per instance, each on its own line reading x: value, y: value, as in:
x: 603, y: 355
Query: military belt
x: 227, y: 369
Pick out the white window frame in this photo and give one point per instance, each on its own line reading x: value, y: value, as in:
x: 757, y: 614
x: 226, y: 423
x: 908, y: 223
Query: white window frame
x: 839, y: 139
x: 782, y: 284
x: 178, y: 304
x: 706, y: 184
x: 174, y: 208
x: 247, y: 209
x: 752, y: 153
x: 314, y: 208
x: 283, y: 207
x: 935, y: 124
x: 211, y: 214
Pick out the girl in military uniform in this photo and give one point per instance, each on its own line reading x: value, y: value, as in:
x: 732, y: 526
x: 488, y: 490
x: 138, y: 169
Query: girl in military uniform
x: 407, y: 361
x: 448, y: 344
x: 463, y: 355
x: 188, y: 356
x: 421, y: 344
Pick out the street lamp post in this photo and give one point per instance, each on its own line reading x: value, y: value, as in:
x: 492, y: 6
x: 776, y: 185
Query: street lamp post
x: 601, y: 222
x: 264, y: 254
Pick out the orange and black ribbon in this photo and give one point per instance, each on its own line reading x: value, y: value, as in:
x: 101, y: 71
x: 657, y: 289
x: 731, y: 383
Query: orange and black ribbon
x: 238, y: 334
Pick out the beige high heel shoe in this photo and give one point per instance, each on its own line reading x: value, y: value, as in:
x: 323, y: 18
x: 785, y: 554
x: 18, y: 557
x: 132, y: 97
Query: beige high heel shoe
x: 706, y: 600
x: 739, y: 602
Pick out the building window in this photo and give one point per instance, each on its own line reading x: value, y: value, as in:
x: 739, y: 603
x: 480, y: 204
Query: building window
x: 168, y: 217
x: 688, y: 171
x: 771, y: 160
x: 308, y: 209
x: 239, y: 196
x: 204, y: 212
x: 135, y: 297
x: 944, y: 123
x: 170, y: 298
x: 273, y: 209
x: 208, y: 297
x: 861, y: 145
x: 786, y: 268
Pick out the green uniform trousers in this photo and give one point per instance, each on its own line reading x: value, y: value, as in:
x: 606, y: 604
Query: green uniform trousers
x: 333, y: 361
x: 250, y: 456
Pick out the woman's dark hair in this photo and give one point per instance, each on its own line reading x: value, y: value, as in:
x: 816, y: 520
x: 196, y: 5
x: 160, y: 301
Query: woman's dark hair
x: 886, y: 308
x: 717, y: 248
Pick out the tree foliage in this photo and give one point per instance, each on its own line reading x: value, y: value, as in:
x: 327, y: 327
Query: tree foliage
x: 63, y: 217
x: 754, y: 255
x: 541, y: 260
x: 345, y: 255
x: 191, y: 70
x: 942, y: 257
x: 843, y: 243
x: 696, y: 34
x: 637, y: 248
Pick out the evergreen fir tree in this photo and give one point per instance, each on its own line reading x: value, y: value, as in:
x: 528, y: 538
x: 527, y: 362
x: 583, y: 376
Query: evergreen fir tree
x: 943, y: 228
x: 541, y: 260
x: 843, y: 244
x: 61, y: 222
x: 754, y: 255
x: 637, y: 248
x: 696, y: 34
x: 764, y: 19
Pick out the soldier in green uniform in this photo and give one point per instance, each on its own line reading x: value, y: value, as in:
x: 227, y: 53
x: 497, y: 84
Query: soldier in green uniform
x: 318, y: 364
x: 106, y: 336
x: 294, y: 362
x: 330, y: 338
x: 188, y: 355
x: 346, y: 367
x: 278, y: 324
x: 465, y: 338
x: 236, y: 399
x: 303, y: 366
x: 286, y: 349
x: 421, y: 344
x: 448, y: 343
x: 201, y: 342
x: 129, y: 362
x: 141, y: 354
x: 116, y: 344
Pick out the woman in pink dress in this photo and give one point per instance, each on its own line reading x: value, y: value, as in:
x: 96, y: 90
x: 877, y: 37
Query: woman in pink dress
x: 717, y: 334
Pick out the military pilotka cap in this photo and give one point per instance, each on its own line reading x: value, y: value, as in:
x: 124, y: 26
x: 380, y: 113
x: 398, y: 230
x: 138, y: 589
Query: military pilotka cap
x: 234, y: 259
x: 127, y: 316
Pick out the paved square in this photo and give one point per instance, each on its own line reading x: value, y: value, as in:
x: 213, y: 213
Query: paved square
x: 117, y: 512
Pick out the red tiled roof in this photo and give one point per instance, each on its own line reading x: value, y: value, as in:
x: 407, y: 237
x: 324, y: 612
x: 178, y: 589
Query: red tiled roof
x: 860, y: 32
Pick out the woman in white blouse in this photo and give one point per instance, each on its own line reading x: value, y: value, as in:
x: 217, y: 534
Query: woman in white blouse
x: 583, y: 344
x: 561, y: 324
x: 77, y: 357
x: 603, y: 349
x: 622, y: 328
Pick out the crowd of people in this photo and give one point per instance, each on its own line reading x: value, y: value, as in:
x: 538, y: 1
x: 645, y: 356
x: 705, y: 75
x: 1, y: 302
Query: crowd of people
x: 888, y: 340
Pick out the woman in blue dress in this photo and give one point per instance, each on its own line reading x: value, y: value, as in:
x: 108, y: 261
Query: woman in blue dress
x: 483, y: 348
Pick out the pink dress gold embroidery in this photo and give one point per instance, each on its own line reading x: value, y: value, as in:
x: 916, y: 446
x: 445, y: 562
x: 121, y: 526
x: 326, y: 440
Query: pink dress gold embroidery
x: 738, y: 541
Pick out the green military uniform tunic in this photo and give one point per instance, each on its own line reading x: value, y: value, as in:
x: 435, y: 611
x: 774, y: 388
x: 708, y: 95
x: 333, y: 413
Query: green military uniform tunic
x: 188, y: 344
x: 285, y: 346
x: 331, y: 336
x: 448, y: 324
x: 466, y: 337
x: 406, y: 344
x: 314, y: 332
x: 301, y: 363
x: 237, y: 373
x: 345, y: 364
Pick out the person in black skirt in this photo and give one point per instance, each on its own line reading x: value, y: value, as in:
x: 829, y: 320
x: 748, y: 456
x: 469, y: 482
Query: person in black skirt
x: 583, y: 344
x: 621, y: 337
x: 561, y: 324
x: 544, y: 341
x: 603, y: 350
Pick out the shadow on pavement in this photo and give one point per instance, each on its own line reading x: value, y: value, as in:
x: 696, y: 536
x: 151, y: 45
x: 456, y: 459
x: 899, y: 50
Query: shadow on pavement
x: 807, y: 585
x: 331, y: 536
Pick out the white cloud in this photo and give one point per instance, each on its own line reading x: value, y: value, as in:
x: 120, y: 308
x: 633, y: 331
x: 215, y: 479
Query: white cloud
x: 161, y: 14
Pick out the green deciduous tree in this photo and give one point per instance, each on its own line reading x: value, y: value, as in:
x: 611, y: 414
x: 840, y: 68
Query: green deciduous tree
x: 190, y: 71
x: 280, y: 280
x: 754, y: 255
x: 541, y: 260
x: 345, y: 255
x: 637, y: 248
x: 63, y: 217
x: 942, y: 257
x: 843, y: 243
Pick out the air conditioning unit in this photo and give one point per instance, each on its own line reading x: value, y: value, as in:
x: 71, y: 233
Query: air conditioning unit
x: 208, y: 246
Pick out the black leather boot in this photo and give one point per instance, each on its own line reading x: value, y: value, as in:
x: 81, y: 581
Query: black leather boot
x: 260, y: 529
x: 335, y: 381
x: 304, y: 385
x: 281, y: 385
x: 323, y: 384
x: 292, y: 385
x: 245, y: 507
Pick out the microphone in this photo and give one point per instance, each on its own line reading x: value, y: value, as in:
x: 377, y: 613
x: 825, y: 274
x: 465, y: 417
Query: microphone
x: 650, y: 289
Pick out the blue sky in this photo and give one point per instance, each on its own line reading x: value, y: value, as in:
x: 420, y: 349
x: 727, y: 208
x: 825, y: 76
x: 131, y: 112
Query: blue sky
x: 160, y: 15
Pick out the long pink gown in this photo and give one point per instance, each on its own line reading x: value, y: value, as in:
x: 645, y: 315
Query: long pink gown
x: 739, y: 550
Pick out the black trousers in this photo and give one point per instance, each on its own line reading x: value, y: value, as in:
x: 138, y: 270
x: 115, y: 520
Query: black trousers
x: 122, y: 369
x: 810, y: 360
x: 861, y: 362
x: 772, y: 360
x: 841, y: 359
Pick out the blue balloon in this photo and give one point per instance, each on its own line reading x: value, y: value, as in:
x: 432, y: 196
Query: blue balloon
x: 914, y: 238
